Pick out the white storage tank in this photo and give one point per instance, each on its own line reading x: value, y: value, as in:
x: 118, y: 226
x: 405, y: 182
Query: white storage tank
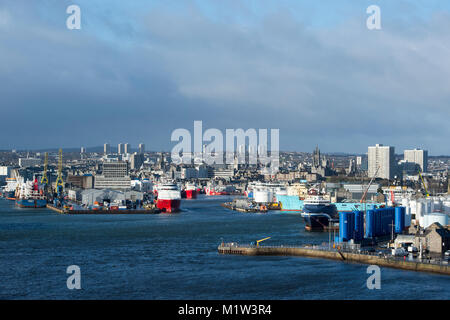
x: 262, y: 196
x: 420, y: 209
x: 433, y: 217
x: 446, y: 206
x: 407, y: 216
x: 413, y: 206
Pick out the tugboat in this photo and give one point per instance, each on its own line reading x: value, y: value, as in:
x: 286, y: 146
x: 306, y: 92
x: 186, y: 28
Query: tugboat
x: 191, y: 191
x: 318, y: 211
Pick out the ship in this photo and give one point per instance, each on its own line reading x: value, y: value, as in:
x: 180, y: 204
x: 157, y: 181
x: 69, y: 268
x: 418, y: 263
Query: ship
x: 8, y: 191
x: 29, y: 195
x: 191, y: 191
x: 169, y: 197
x: 218, y: 190
x: 318, y: 211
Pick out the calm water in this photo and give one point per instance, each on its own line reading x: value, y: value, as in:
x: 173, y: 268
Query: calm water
x: 175, y: 257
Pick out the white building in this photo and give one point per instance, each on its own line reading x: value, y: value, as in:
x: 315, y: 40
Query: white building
x: 127, y: 148
x: 382, y: 157
x: 29, y: 162
x: 5, y: 171
x: 141, y: 148
x: 115, y: 175
x: 417, y: 156
x: 120, y: 148
x: 106, y: 148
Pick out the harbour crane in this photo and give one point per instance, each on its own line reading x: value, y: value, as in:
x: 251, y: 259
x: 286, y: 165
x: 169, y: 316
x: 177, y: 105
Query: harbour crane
x: 258, y: 241
x: 59, y: 179
x: 44, y: 179
x: 423, y: 182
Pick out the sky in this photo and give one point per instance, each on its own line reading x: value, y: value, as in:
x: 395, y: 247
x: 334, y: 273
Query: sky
x: 138, y: 70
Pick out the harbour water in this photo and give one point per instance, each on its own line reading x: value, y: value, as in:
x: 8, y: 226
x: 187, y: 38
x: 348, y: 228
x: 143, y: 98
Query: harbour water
x: 174, y: 256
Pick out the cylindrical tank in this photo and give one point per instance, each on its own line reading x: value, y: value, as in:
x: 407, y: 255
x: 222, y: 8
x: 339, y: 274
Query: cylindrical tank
x: 399, y: 219
x: 420, y: 211
x: 346, y: 222
x: 370, y: 223
x: 262, y: 196
x: 446, y: 206
x: 433, y: 217
x: 407, y: 216
x: 413, y: 206
x: 358, y: 225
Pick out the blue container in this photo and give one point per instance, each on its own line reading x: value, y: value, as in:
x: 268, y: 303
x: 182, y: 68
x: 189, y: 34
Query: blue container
x: 399, y: 219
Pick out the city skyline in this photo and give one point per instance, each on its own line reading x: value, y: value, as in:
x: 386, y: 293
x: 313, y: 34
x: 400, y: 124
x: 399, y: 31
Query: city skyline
x: 314, y: 71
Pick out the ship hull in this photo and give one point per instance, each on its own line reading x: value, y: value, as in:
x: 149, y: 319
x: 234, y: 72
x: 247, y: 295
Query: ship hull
x: 31, y: 203
x: 317, y: 217
x: 168, y: 206
x: 290, y: 203
x: 191, y: 194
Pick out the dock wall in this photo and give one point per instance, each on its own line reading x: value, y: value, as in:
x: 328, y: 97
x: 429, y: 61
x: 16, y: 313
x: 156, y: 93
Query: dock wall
x: 336, y: 255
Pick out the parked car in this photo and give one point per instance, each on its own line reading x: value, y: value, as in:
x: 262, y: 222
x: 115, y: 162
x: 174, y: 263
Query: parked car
x: 399, y: 252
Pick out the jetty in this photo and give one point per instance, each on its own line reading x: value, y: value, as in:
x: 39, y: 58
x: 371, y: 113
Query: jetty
x: 334, y: 254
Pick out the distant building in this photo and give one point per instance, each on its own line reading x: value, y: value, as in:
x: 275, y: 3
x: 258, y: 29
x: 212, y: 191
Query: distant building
x: 106, y: 148
x: 83, y: 182
x: 83, y: 150
x: 141, y: 148
x: 5, y: 171
x: 224, y: 173
x: 417, y: 156
x: 320, y: 164
x: 136, y: 160
x: 189, y: 173
x: 115, y: 175
x: 382, y: 157
x: 29, y: 162
x: 120, y: 148
x: 127, y: 148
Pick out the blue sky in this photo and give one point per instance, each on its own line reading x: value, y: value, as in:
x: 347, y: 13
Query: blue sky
x: 139, y: 69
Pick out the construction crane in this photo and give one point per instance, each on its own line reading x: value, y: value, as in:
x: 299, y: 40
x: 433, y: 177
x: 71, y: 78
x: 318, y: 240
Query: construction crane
x: 59, y: 179
x: 258, y: 241
x: 363, y: 198
x: 44, y: 179
x: 423, y: 182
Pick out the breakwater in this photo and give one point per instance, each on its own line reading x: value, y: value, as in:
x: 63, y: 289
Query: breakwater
x: 233, y: 248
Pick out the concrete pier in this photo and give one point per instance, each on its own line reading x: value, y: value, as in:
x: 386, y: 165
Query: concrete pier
x: 233, y: 248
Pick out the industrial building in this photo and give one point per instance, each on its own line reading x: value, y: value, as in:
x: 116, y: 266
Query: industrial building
x: 29, y: 162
